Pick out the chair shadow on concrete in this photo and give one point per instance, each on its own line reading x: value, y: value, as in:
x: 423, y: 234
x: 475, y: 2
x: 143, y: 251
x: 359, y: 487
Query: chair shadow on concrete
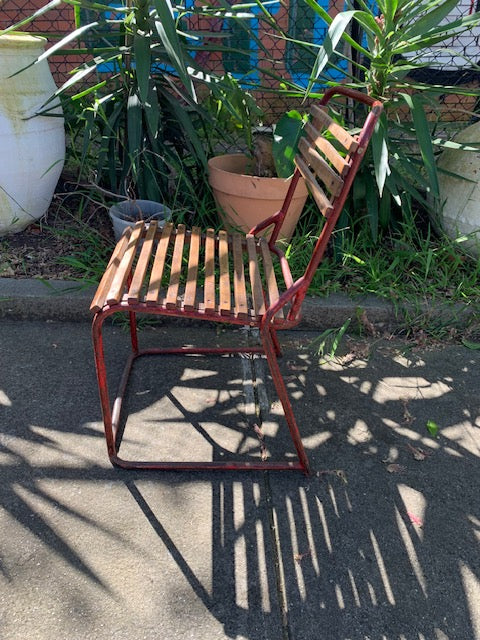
x: 376, y: 544
x: 383, y: 540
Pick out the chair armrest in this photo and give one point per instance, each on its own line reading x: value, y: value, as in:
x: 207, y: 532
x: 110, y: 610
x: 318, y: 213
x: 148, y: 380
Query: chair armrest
x: 264, y: 224
x: 286, y: 296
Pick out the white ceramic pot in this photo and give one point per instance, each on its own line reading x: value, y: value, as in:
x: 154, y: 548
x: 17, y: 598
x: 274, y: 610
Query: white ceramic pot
x: 32, y: 149
x: 460, y: 194
x: 126, y: 213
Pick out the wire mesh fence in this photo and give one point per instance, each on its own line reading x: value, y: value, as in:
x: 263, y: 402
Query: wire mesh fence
x: 455, y: 64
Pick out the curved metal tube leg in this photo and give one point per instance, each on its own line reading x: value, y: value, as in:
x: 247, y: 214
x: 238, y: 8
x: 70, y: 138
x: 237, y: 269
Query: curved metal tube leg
x: 102, y: 382
x: 268, y: 342
x: 133, y: 331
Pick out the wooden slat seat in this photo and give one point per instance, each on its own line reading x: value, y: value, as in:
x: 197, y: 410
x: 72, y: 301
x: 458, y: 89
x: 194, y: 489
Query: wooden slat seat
x: 227, y: 275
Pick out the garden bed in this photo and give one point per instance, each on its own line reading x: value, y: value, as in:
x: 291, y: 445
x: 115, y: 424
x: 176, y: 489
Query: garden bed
x: 45, y: 248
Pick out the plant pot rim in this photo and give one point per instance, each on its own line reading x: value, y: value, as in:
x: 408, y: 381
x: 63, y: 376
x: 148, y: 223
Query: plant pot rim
x: 21, y: 40
x: 236, y: 163
x: 226, y: 173
x: 157, y: 210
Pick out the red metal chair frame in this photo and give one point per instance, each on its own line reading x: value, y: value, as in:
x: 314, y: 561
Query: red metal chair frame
x: 122, y: 286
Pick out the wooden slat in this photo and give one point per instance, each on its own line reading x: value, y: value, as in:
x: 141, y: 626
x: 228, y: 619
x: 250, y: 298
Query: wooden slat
x: 225, y: 290
x: 121, y: 275
x: 176, y: 268
x: 192, y: 274
x: 255, y: 279
x: 159, y: 265
x: 316, y: 190
x: 107, y: 278
x: 209, y: 287
x: 345, y: 139
x: 329, y: 177
x: 142, y: 264
x: 240, y: 291
x: 270, y: 276
x: 326, y: 147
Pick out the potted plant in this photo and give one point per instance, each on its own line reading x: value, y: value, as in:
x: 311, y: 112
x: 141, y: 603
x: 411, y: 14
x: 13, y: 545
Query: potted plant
x: 251, y: 184
x: 132, y: 108
x: 33, y: 146
x: 399, y: 61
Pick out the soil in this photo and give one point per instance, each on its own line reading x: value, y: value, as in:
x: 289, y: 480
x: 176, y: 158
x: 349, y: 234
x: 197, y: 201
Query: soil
x: 68, y: 229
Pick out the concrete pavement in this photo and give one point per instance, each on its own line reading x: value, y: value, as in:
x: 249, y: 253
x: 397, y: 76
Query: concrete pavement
x: 380, y: 543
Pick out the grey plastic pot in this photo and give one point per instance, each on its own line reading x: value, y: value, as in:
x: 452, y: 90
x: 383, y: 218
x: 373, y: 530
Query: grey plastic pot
x: 125, y: 214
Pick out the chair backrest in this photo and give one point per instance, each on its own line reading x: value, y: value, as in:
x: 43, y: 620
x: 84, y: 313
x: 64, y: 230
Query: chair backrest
x: 328, y: 172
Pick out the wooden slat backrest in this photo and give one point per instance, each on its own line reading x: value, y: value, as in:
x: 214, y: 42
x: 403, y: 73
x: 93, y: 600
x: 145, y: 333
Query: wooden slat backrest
x: 330, y: 178
x: 321, y: 120
x: 320, y: 163
x: 329, y: 169
x: 315, y: 137
x: 321, y: 198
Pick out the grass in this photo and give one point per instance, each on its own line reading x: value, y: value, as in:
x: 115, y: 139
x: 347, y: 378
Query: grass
x: 411, y: 267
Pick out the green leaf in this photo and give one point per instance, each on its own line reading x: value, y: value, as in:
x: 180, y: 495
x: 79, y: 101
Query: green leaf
x: 152, y: 112
x: 372, y: 209
x: 191, y: 134
x: 389, y: 12
x: 285, y: 142
x: 134, y: 131
x: 17, y: 26
x: 424, y: 139
x: 433, y: 428
x: 430, y: 19
x: 143, y: 63
x: 470, y: 345
x: 332, y: 38
x: 167, y: 31
x: 380, y: 153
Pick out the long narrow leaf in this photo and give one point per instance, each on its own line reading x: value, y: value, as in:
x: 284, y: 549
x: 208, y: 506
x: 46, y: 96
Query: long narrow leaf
x: 36, y: 14
x: 167, y: 31
x: 325, y: 52
x: 320, y: 11
x: 380, y: 153
x: 143, y: 62
x: 430, y: 20
x: 422, y: 130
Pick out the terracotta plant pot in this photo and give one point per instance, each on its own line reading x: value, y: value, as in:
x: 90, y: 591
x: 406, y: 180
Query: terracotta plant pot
x: 243, y: 200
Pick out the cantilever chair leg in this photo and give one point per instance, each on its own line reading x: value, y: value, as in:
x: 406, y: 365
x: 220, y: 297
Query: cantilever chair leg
x: 111, y: 413
x: 269, y: 341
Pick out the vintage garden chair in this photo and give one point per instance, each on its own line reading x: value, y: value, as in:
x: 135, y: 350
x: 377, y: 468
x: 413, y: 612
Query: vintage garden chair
x: 240, y: 286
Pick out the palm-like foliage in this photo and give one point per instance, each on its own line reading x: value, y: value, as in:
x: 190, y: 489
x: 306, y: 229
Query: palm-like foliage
x: 134, y: 104
x: 398, y: 36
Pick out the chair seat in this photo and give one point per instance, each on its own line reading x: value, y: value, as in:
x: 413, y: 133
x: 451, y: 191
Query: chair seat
x: 227, y: 277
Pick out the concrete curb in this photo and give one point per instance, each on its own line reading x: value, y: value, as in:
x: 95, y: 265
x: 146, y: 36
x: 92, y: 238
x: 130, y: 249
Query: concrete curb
x: 69, y: 301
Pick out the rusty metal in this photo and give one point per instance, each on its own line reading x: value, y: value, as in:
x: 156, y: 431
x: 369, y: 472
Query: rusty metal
x: 266, y: 313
